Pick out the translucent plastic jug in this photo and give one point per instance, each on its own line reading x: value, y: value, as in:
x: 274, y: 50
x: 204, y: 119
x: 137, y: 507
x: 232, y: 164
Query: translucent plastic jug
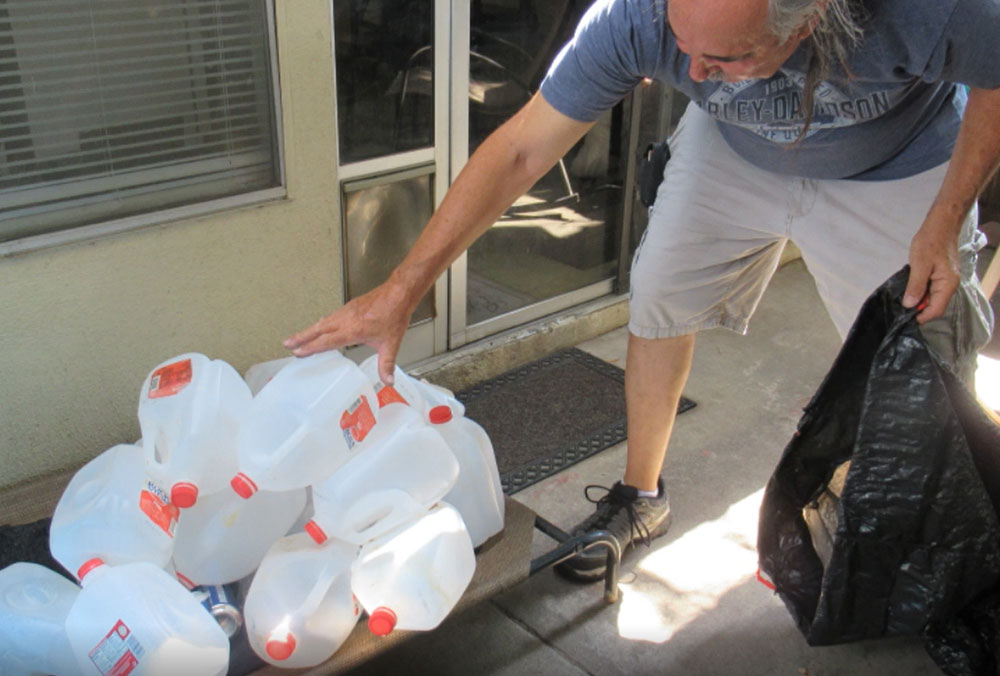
x: 136, y: 619
x: 299, y: 608
x: 436, y: 395
x: 406, y: 467
x: 190, y: 410
x: 406, y: 389
x: 111, y: 510
x: 224, y: 537
x: 258, y: 375
x: 412, y: 577
x: 307, y: 421
x: 478, y: 493
x: 34, y: 603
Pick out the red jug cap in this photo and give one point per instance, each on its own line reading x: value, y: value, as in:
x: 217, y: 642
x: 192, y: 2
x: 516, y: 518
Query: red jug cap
x: 440, y: 414
x: 315, y: 532
x: 184, y: 494
x: 280, y: 649
x: 88, y: 566
x: 381, y: 621
x: 243, y: 485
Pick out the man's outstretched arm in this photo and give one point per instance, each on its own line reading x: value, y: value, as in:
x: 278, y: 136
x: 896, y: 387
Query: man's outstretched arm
x: 501, y: 169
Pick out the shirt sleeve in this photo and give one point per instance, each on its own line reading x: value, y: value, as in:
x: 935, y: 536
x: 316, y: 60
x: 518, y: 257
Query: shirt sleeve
x: 616, y: 44
x: 969, y: 49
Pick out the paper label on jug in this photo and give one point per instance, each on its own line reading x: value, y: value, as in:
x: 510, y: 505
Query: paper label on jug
x: 357, y: 421
x: 154, y: 503
x: 168, y: 380
x: 387, y: 394
x: 119, y: 652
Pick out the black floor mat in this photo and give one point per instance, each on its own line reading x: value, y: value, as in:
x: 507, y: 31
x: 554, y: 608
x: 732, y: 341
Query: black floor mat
x: 550, y: 414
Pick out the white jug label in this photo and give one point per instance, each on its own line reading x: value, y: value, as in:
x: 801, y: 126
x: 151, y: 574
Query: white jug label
x: 387, y: 394
x: 119, y: 652
x: 357, y: 421
x: 155, y: 504
x: 168, y: 380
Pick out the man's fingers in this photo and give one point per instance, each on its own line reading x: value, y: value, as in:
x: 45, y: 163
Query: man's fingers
x: 916, y: 287
x: 301, y: 337
x: 387, y: 363
x: 935, y: 303
x: 323, y: 335
x: 318, y: 344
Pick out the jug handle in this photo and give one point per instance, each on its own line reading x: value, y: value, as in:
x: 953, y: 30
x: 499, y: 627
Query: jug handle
x: 319, y: 589
x: 381, y: 510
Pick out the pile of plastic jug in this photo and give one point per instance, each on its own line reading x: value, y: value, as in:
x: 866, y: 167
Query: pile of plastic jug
x: 316, y: 488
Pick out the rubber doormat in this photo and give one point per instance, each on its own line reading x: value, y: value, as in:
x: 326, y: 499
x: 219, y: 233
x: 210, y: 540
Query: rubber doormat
x: 550, y: 414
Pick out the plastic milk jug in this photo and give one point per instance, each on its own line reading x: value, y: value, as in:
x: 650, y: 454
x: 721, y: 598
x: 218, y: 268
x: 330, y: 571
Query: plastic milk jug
x: 299, y: 608
x: 406, y: 467
x: 34, y: 602
x: 307, y: 421
x: 190, y: 410
x: 136, y: 619
x: 435, y: 395
x: 223, y: 538
x: 258, y: 375
x: 405, y: 390
x: 412, y: 577
x: 478, y: 494
x: 111, y: 510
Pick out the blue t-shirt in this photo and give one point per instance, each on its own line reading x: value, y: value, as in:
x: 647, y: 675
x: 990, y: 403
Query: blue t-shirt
x: 896, y: 115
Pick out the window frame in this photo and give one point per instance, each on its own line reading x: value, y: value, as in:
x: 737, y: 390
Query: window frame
x: 160, y: 216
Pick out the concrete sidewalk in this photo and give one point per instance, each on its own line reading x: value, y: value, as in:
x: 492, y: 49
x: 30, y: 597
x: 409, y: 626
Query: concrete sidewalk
x: 690, y: 604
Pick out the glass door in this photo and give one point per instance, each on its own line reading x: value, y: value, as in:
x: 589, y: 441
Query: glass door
x: 393, y: 129
x: 419, y: 85
x: 559, y: 244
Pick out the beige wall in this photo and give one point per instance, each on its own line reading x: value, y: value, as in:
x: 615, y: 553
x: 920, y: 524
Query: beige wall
x: 81, y: 325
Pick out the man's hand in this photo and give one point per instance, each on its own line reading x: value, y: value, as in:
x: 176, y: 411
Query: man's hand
x: 378, y: 319
x: 934, y: 269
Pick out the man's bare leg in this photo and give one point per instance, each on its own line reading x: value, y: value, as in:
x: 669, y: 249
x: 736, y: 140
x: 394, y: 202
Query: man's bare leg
x: 655, y: 374
x: 656, y: 371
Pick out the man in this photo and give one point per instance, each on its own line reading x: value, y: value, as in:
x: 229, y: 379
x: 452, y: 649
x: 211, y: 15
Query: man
x: 837, y: 125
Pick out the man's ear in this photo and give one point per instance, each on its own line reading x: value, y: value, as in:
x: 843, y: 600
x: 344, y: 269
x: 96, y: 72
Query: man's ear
x: 807, y: 30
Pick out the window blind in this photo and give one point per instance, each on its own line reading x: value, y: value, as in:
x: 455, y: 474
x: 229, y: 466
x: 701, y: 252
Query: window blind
x: 111, y: 108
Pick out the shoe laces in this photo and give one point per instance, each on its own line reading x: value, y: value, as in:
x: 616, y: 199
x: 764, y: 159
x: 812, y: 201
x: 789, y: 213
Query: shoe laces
x: 608, y: 507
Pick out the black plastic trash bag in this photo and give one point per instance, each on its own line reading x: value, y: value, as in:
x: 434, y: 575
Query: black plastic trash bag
x: 897, y: 457
x: 968, y: 645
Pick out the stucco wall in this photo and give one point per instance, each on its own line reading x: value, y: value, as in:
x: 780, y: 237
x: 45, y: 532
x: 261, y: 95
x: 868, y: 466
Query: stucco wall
x: 81, y: 325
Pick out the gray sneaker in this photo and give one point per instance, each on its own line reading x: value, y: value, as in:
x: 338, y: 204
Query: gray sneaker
x: 628, y: 517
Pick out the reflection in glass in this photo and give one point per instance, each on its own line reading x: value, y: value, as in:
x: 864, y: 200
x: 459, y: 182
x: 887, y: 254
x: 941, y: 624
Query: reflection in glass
x: 384, y: 70
x: 383, y: 220
x: 562, y: 234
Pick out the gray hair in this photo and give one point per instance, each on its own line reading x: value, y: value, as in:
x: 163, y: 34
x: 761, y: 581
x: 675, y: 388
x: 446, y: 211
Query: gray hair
x: 838, y: 20
x: 837, y: 30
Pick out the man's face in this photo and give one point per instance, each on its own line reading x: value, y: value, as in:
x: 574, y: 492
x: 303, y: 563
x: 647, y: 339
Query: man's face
x: 728, y: 40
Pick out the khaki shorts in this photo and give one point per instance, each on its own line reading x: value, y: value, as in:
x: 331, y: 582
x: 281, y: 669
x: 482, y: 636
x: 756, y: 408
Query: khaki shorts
x: 718, y: 226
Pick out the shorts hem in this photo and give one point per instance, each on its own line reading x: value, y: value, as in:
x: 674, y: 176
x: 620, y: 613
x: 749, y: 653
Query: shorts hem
x: 656, y: 332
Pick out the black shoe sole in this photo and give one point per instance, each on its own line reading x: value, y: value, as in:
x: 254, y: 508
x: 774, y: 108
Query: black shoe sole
x: 589, y: 575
